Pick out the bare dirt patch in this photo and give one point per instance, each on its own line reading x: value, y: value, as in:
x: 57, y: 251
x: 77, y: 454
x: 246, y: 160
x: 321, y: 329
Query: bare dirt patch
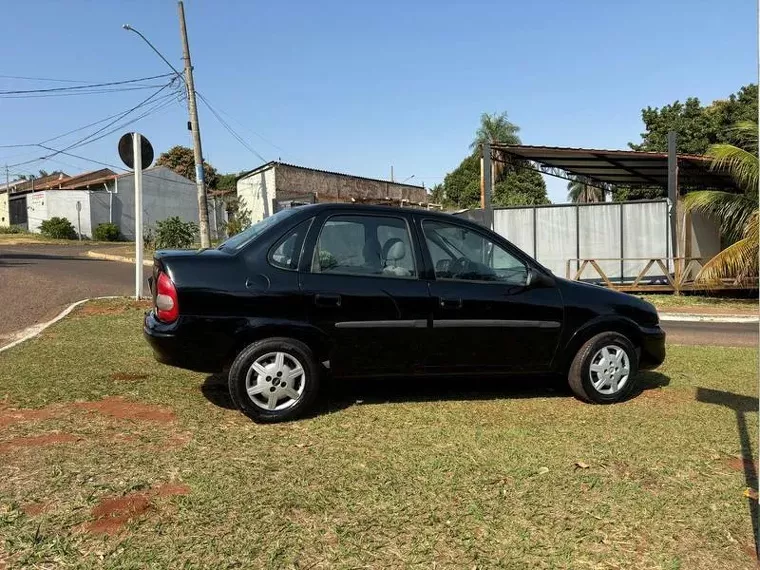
x: 128, y: 377
x: 34, y: 509
x: 10, y: 416
x: 122, y: 409
x: 111, y: 514
x: 37, y: 441
x: 742, y: 464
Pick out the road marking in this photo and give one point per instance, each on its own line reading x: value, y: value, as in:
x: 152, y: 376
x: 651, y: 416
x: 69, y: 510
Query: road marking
x: 34, y: 330
x: 693, y: 318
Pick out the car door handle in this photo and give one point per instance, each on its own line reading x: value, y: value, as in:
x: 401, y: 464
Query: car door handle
x: 450, y: 303
x: 327, y: 300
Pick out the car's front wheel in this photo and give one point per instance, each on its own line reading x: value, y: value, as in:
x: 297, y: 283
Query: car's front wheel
x: 603, y: 370
x: 274, y: 380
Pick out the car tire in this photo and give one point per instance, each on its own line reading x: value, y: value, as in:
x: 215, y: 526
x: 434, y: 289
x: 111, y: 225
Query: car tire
x: 604, y: 370
x: 267, y: 371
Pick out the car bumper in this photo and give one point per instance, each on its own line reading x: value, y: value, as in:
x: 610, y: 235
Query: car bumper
x: 652, y: 348
x: 171, y: 347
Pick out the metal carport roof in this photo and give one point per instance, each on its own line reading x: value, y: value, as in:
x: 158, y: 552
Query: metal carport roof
x: 619, y: 167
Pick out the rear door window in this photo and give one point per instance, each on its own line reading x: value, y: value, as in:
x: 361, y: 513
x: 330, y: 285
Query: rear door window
x: 375, y: 246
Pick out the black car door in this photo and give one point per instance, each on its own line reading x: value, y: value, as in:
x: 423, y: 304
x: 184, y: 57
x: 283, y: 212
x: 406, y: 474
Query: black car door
x: 486, y: 315
x: 360, y: 279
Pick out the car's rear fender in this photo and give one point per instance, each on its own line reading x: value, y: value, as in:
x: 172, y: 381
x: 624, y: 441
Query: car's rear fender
x: 599, y: 324
x: 260, y: 329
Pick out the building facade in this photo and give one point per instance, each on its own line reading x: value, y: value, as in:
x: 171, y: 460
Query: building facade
x: 276, y: 185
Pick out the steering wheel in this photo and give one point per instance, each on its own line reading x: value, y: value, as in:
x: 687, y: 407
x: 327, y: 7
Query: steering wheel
x: 459, y: 266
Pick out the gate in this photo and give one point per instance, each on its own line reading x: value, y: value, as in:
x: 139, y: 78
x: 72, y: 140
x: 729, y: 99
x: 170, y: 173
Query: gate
x: 18, y: 214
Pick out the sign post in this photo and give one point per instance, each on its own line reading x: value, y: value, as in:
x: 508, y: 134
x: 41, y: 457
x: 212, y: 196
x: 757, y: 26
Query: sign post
x: 137, y: 153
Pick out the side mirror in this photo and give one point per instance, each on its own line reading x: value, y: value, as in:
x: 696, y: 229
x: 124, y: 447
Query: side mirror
x: 535, y: 278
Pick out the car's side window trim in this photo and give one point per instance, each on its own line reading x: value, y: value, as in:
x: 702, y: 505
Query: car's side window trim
x: 509, y: 250
x: 314, y: 246
x: 299, y: 244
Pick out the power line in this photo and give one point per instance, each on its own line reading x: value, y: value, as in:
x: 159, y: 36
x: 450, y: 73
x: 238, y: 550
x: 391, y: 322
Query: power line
x: 25, y: 78
x: 89, y: 138
x: 249, y: 129
x: 89, y: 86
x: 79, y: 93
x: 229, y: 128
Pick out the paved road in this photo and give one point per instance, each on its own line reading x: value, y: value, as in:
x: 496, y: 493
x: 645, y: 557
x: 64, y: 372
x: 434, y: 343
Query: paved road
x: 37, y: 281
x: 715, y: 334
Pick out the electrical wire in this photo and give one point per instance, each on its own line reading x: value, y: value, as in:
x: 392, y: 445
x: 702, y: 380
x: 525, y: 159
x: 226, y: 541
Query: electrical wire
x: 229, y: 128
x: 79, y: 93
x: 91, y: 137
x: 89, y: 86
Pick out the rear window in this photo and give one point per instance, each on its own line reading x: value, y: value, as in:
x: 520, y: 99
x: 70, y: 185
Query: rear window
x: 242, y: 239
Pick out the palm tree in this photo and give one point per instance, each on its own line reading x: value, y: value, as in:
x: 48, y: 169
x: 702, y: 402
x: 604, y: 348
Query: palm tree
x: 736, y: 214
x: 583, y: 190
x: 496, y: 128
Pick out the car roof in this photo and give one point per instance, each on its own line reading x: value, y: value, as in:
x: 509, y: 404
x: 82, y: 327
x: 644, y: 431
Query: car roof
x: 369, y: 208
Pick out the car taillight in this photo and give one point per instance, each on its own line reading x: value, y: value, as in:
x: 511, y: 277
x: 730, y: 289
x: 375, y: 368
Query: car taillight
x: 167, y: 307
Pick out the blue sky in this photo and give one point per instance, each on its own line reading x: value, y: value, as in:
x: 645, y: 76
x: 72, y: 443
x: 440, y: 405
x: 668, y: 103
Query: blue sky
x: 358, y: 86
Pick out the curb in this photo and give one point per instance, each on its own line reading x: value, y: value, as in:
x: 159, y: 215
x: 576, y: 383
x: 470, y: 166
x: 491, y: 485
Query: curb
x: 697, y: 318
x: 34, y: 330
x: 122, y: 259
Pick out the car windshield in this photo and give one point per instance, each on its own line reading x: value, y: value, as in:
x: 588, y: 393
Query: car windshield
x: 246, y: 236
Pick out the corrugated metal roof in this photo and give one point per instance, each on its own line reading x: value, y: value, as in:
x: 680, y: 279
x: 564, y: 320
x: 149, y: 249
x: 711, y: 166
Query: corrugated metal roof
x: 623, y: 167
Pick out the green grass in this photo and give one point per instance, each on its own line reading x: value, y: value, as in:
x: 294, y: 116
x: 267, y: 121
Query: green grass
x: 387, y: 475
x: 665, y: 302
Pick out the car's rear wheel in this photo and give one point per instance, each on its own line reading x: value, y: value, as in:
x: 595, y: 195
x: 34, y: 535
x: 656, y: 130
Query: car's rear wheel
x: 274, y: 380
x: 603, y: 371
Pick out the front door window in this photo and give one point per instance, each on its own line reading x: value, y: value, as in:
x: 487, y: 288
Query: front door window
x: 463, y: 254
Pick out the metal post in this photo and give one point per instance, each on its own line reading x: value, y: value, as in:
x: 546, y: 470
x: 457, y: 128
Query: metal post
x: 8, y: 195
x: 195, y: 128
x: 622, y: 242
x: 577, y: 237
x: 137, y: 150
x: 487, y: 186
x: 673, y: 192
x: 79, y: 219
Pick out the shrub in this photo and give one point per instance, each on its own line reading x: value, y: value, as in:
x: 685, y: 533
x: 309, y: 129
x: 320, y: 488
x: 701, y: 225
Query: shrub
x: 12, y: 230
x: 239, y: 217
x: 58, y: 228
x: 173, y: 233
x: 106, y: 232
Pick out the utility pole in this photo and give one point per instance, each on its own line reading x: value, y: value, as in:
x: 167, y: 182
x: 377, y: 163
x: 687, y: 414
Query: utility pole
x: 195, y: 128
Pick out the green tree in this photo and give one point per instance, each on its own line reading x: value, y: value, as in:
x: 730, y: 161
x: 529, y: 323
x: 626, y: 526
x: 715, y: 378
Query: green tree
x: 698, y: 128
x: 181, y: 160
x: 583, y: 190
x: 736, y: 214
x: 227, y: 182
x: 495, y: 128
x: 515, y: 183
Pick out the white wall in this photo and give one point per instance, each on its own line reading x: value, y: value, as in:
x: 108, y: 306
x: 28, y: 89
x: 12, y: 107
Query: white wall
x: 165, y: 194
x: 257, y: 191
x: 5, y: 213
x: 60, y: 203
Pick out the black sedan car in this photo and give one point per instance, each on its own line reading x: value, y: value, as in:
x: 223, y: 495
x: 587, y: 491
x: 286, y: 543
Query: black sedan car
x: 361, y: 291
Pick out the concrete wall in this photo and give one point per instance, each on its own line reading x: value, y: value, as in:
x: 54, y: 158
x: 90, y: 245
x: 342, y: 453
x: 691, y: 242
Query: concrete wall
x: 165, y: 194
x: 257, y: 192
x: 5, y: 213
x: 329, y: 187
x: 60, y: 203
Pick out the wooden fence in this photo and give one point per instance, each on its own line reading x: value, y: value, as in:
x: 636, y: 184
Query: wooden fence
x: 674, y: 275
